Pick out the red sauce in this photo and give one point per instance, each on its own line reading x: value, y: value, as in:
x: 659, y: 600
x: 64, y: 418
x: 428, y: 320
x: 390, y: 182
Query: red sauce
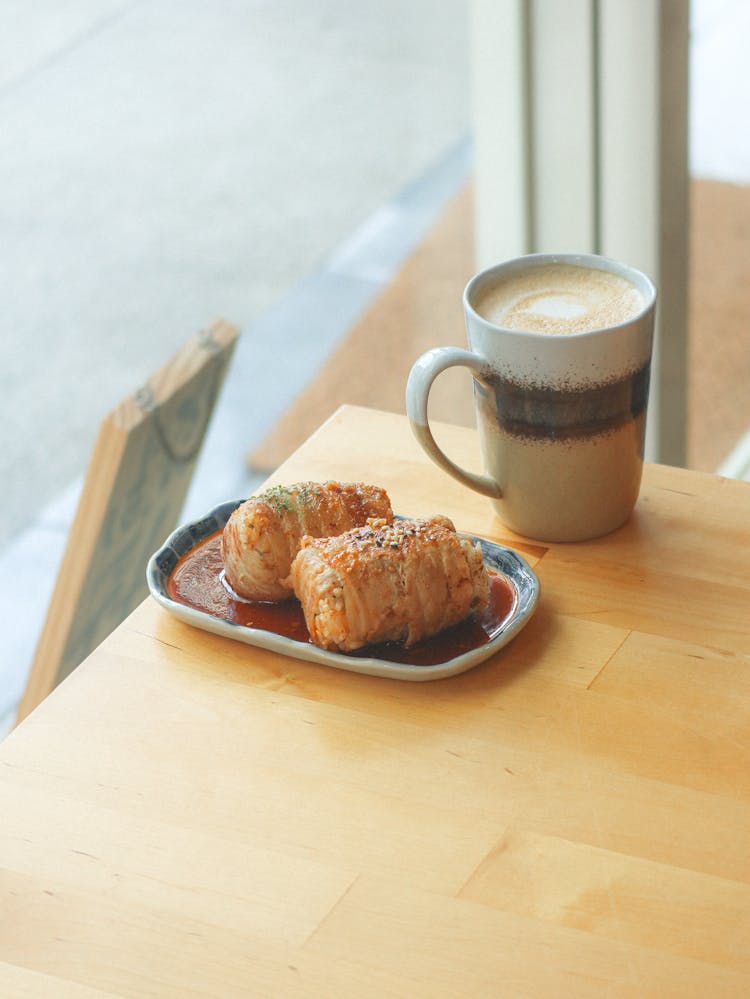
x: 197, y: 582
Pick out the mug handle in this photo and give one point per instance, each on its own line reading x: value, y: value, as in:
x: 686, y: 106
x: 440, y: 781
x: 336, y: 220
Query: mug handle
x: 422, y: 375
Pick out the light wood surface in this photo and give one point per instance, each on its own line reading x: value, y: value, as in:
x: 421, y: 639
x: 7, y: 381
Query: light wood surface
x: 135, y: 486
x: 185, y: 816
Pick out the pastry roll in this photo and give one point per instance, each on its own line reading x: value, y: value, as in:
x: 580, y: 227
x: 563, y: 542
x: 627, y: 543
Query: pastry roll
x: 388, y: 582
x: 263, y: 534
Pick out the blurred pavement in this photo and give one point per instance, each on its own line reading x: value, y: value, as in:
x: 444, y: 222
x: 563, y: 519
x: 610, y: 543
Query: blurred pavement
x: 165, y: 163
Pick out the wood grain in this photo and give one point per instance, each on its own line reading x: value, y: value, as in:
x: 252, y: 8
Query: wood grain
x: 187, y: 816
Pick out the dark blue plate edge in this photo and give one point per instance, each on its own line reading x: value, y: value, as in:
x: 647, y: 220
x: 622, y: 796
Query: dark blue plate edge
x: 498, y: 557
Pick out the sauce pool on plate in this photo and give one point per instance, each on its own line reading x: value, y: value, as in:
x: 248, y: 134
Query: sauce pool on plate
x: 197, y: 581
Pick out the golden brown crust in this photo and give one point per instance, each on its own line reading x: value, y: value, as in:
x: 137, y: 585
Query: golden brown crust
x: 263, y: 535
x: 383, y: 582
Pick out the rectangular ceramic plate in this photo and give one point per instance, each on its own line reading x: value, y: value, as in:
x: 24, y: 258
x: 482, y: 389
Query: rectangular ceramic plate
x: 497, y: 558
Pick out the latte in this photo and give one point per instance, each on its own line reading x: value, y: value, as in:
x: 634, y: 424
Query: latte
x: 560, y: 350
x: 559, y: 298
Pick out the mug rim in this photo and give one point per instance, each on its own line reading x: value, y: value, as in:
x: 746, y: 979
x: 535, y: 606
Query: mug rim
x: 591, y: 260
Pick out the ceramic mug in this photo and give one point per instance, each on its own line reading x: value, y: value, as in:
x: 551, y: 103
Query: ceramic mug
x: 560, y: 408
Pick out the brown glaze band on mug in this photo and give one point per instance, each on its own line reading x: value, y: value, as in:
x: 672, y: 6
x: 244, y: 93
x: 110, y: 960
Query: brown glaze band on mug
x: 550, y: 413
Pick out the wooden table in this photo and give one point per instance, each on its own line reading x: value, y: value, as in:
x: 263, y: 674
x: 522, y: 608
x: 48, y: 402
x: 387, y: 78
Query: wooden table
x: 186, y: 816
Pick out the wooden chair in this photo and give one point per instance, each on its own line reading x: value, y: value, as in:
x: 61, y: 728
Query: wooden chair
x: 133, y: 493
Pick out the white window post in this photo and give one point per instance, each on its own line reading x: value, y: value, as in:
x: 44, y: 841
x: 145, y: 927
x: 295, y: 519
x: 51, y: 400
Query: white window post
x: 580, y: 125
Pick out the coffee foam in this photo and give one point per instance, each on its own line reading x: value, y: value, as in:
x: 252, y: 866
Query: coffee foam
x: 559, y: 299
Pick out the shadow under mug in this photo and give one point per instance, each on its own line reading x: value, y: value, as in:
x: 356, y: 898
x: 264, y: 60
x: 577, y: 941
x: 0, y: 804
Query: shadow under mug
x: 561, y: 417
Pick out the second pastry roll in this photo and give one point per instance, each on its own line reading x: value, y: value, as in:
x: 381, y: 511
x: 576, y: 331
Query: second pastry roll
x: 388, y: 582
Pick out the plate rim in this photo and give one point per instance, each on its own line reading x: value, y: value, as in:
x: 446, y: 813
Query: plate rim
x: 187, y: 535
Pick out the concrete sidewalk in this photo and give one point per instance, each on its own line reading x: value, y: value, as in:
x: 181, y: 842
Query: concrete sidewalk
x: 164, y: 163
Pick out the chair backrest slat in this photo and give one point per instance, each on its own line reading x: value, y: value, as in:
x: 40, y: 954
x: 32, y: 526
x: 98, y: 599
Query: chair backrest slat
x: 135, y: 487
